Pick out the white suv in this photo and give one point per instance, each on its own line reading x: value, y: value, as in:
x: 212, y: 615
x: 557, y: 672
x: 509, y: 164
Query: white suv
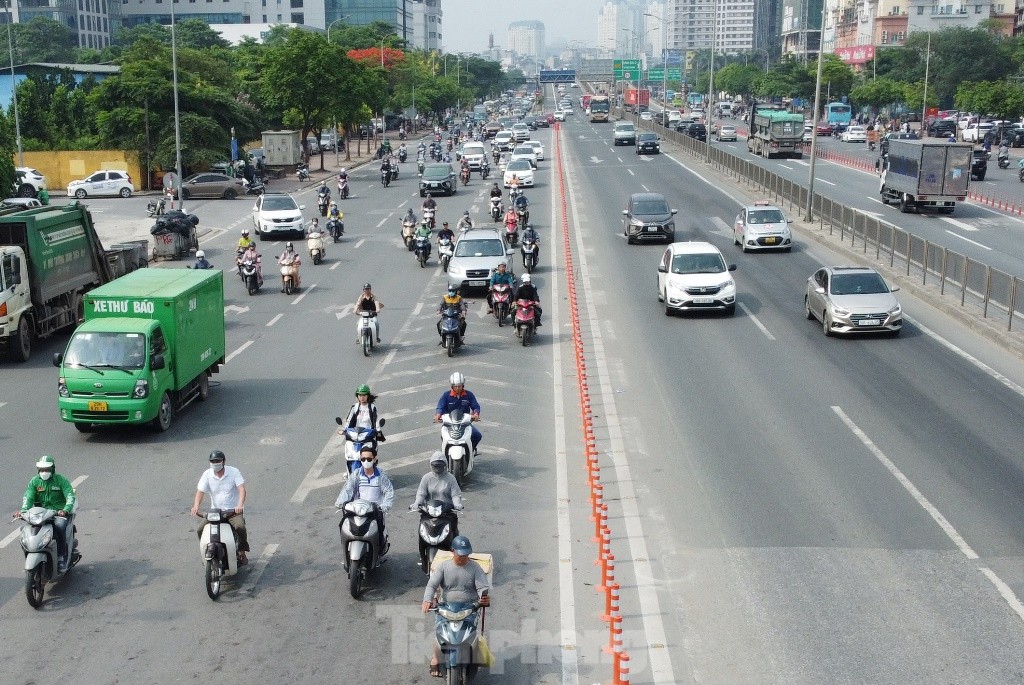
x: 477, y: 253
x: 276, y: 213
x: 28, y: 182
x: 694, y: 276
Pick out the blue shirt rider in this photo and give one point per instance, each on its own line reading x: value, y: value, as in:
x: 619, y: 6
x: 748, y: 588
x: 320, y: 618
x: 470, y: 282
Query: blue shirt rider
x: 460, y: 398
x: 501, y: 276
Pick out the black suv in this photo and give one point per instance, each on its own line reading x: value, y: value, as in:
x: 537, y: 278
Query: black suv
x: 941, y: 128
x: 648, y: 143
x: 437, y: 178
x: 647, y: 217
x: 979, y: 165
x: 697, y: 131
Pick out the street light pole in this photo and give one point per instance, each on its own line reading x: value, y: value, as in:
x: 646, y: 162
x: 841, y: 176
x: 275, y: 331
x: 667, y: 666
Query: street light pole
x: 14, y: 87
x: 814, y: 118
x: 664, y: 64
x: 924, y: 102
x: 711, y: 82
x: 177, y: 119
x: 337, y: 148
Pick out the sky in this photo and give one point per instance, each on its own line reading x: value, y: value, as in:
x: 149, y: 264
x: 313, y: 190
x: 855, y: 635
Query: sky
x: 467, y: 23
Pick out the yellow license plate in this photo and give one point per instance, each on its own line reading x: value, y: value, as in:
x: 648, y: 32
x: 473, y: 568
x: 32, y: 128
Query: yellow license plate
x: 769, y: 241
x: 97, y: 406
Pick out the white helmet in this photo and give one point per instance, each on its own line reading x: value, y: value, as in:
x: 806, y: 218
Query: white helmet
x: 526, y: 278
x: 200, y: 254
x: 457, y: 379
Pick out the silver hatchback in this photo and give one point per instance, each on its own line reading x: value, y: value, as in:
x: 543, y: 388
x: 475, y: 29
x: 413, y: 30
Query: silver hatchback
x: 852, y: 299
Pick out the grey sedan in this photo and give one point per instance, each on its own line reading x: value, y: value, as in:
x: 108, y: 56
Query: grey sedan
x: 852, y: 299
x: 212, y: 185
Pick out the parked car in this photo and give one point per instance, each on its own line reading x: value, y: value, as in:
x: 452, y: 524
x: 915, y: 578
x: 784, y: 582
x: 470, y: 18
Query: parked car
x: 883, y: 146
x: 852, y: 299
x: 28, y: 182
x: 942, y: 128
x: 212, y: 185
x: 105, y: 182
x: 975, y: 133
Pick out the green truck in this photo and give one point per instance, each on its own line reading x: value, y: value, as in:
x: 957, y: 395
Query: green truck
x: 50, y: 257
x: 149, y: 343
x: 775, y: 132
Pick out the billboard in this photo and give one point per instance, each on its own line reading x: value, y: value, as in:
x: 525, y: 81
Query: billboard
x: 858, y: 54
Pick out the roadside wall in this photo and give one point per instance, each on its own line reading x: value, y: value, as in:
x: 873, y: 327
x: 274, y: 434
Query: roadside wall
x: 63, y: 166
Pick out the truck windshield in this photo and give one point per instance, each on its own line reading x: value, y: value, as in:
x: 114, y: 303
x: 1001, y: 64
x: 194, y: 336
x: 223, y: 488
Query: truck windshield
x: 107, y: 350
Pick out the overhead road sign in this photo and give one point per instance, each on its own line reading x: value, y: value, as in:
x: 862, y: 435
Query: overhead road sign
x: 557, y: 75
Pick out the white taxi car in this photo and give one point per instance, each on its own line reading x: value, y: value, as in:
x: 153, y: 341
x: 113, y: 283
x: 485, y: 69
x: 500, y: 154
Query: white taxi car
x: 762, y: 226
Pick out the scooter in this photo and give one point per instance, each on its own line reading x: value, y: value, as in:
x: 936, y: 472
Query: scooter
x: 385, y: 176
x: 355, y: 438
x: 525, y: 321
x: 394, y: 172
x: 428, y: 216
x: 512, y: 233
x: 302, y: 172
x: 255, y: 187
x: 290, y: 272
x: 485, y: 169
x: 439, y: 524
x: 497, y: 208
x: 39, y: 544
x: 335, y: 229
x: 219, y: 548
x: 367, y: 330
x: 315, y: 245
x: 1003, y: 161
x: 501, y: 301
x: 464, y: 175
x: 445, y: 250
x: 451, y: 326
x: 409, y: 230
x: 360, y: 537
x: 458, y: 636
x: 420, y: 164
x: 402, y: 155
x: 251, y: 274
x: 529, y: 252
x: 156, y: 207
x: 456, y: 432
x: 342, y: 189
x: 322, y: 202
x: 422, y: 250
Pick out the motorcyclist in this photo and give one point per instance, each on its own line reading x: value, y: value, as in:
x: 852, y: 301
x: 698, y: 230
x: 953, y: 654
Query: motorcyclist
x: 290, y: 257
x: 370, y: 484
x: 1004, y: 150
x: 410, y: 217
x: 245, y: 241
x: 402, y: 152
x: 363, y: 413
x: 226, y: 488
x: 333, y: 212
x: 314, y: 226
x: 528, y: 291
x: 511, y: 218
x: 460, y: 398
x: 513, y: 184
x: 368, y: 302
x: 452, y: 298
x: 50, y: 490
x: 421, y: 150
x: 464, y: 167
x: 496, y: 191
x: 429, y: 203
x: 446, y: 158
x: 460, y: 580
x: 252, y: 254
x: 201, y: 262
x: 465, y: 222
x: 500, y: 276
x: 423, y: 231
x: 530, y: 234
x: 385, y: 166
x: 438, y: 485
x: 522, y: 206
x: 323, y: 193
x: 445, y: 232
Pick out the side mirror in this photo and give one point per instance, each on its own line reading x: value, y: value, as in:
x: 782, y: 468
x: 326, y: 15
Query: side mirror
x: 662, y: 270
x: 58, y: 358
x: 302, y: 207
x: 156, y: 362
x: 625, y: 212
x: 509, y: 252
x: 789, y: 221
x: 819, y: 290
x: 732, y: 267
x: 675, y: 211
x: 894, y: 288
x: 379, y: 422
x: 338, y: 420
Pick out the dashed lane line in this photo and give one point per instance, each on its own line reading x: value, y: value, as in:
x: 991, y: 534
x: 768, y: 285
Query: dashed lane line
x: 257, y: 569
x: 237, y: 352
x: 274, y: 320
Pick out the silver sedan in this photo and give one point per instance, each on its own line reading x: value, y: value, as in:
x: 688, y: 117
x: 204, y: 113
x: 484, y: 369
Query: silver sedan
x: 852, y: 299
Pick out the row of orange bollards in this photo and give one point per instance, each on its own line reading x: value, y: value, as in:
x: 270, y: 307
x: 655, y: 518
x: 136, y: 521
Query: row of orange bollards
x: 599, y: 510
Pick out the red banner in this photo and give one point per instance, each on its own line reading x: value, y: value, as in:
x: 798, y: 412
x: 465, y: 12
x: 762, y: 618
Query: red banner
x: 858, y: 54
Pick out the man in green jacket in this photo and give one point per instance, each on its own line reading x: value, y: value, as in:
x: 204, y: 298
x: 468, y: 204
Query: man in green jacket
x: 50, y: 490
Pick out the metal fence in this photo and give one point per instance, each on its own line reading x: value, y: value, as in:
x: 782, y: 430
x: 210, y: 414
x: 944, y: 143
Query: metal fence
x: 989, y: 292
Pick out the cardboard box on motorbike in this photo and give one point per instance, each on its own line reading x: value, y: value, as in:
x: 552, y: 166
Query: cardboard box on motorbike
x: 482, y: 653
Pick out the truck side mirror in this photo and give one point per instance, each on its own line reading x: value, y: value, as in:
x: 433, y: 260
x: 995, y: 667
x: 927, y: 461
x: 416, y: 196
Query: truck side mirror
x: 156, y: 362
x: 58, y: 359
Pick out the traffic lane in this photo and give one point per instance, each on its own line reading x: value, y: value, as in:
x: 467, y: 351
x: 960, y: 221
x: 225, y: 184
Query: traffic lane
x: 760, y: 531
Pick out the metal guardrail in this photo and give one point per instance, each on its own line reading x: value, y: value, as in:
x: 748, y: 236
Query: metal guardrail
x: 991, y: 293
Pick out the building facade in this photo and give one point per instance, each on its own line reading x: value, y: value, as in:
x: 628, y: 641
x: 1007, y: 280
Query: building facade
x: 526, y: 39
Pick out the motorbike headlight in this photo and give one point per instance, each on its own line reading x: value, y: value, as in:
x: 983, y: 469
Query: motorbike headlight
x: 454, y: 615
x: 46, y: 538
x: 141, y: 389
x: 62, y: 388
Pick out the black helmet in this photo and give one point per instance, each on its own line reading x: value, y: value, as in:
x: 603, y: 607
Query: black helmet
x: 217, y: 455
x: 366, y: 286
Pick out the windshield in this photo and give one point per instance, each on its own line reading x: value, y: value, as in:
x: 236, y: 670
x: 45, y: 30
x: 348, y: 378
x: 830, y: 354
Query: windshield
x: 599, y: 105
x: 625, y: 127
x: 519, y: 165
x: 650, y: 207
x: 648, y: 136
x: 473, y: 150
x: 276, y: 203
x: 107, y: 350
x: 764, y: 216
x: 480, y: 248
x: 435, y: 172
x: 858, y: 284
x: 707, y: 263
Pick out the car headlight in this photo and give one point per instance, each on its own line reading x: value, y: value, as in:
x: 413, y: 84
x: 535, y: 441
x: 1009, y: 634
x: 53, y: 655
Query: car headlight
x: 727, y: 284
x: 638, y: 223
x: 62, y: 388
x: 895, y: 309
x: 141, y: 390
x: 455, y: 270
x: 839, y: 311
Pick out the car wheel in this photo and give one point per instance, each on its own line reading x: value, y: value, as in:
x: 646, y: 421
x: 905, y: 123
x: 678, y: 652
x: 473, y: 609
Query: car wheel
x: 826, y: 325
x: 126, y: 192
x: 230, y: 194
x: 743, y: 244
x: 80, y: 193
x: 807, y: 310
x: 184, y: 193
x: 26, y: 190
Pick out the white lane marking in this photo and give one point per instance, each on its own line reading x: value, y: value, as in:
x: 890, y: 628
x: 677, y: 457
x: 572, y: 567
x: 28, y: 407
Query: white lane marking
x: 945, y: 525
x: 875, y: 199
x: 417, y: 309
x: 800, y: 162
x: 721, y: 227
x: 382, y: 221
x: 335, y: 265
x: 824, y: 181
x: 3, y: 404
x: 274, y: 320
x: 359, y: 244
x: 342, y: 314
x: 304, y: 293
x: 787, y: 167
x: 757, y: 322
x: 1004, y: 590
x: 646, y: 189
x: 214, y: 233
x: 658, y: 657
x: 13, y: 535
x: 972, y: 242
x: 966, y: 356
x: 235, y: 308
x: 630, y: 172
x: 959, y: 224
x: 237, y: 352
x: 566, y: 592
x: 257, y: 569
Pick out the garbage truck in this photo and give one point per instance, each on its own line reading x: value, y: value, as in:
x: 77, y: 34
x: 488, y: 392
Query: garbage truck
x: 148, y: 346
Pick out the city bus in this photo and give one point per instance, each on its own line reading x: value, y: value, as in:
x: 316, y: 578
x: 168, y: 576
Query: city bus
x: 838, y: 113
x: 600, y: 105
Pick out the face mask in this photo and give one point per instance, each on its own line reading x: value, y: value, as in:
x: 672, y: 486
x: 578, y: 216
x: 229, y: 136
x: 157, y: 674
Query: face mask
x: 45, y: 475
x: 218, y: 467
x: 438, y: 468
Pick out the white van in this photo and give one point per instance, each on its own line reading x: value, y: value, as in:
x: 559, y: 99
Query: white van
x: 724, y: 108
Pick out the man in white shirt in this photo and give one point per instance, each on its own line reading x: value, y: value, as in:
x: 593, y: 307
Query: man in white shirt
x: 226, y: 488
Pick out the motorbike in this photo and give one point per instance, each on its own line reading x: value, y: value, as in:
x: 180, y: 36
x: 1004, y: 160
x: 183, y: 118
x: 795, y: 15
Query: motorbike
x: 525, y: 321
x: 402, y: 155
x: 420, y: 165
x: 1003, y: 161
x: 459, y: 638
x: 39, y: 544
x: 501, y: 301
x: 485, y: 169
x: 385, y: 176
x: 422, y: 249
x: 497, y: 208
x: 512, y: 233
x: 438, y: 526
x: 322, y: 202
x: 290, y: 272
x: 302, y: 172
x: 451, y: 324
x: 156, y: 207
x: 250, y: 271
x: 464, y: 175
x: 394, y: 171
x: 254, y: 187
x: 455, y: 442
x: 219, y: 548
x: 871, y: 145
x: 445, y: 250
x: 342, y: 189
x: 315, y: 245
x: 428, y: 217
x: 356, y: 437
x: 409, y: 230
x: 529, y: 252
x: 522, y: 216
x: 360, y: 537
x: 335, y: 229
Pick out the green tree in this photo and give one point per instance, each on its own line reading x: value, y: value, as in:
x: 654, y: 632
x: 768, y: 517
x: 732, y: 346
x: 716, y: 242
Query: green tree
x: 738, y: 79
x: 878, y: 93
x: 40, y: 40
x: 837, y: 74
x: 913, y: 96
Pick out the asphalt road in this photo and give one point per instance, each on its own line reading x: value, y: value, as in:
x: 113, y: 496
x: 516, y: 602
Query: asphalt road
x: 786, y: 508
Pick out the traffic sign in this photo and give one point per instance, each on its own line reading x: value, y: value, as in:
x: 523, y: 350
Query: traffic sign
x: 675, y: 74
x: 655, y: 74
x: 631, y: 65
x: 629, y: 75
